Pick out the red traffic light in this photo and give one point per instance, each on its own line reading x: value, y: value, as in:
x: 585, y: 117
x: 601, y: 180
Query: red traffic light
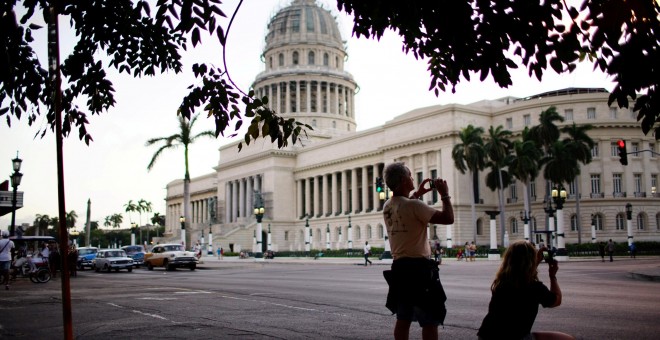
x: 621, y: 143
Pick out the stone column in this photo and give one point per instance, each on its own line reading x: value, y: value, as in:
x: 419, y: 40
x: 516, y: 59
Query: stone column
x: 324, y: 198
x: 317, y: 198
x: 308, y: 199
x: 335, y: 194
x: 241, y: 198
x: 228, y: 202
x: 344, y: 192
x: 376, y: 199
x: 354, y: 187
x: 299, y: 196
x: 493, y: 253
x: 365, y: 189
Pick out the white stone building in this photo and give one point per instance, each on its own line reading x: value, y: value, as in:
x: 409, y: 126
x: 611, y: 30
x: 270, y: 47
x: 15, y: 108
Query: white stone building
x: 329, y: 181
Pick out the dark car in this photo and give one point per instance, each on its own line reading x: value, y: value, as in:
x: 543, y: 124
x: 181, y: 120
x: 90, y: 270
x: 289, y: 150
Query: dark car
x: 135, y: 252
x: 86, y: 256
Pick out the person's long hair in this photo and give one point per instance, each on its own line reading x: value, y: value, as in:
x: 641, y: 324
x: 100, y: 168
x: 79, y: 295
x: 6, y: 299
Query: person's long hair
x: 518, y: 268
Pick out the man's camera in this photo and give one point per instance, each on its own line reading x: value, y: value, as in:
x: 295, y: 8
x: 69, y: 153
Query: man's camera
x: 432, y: 183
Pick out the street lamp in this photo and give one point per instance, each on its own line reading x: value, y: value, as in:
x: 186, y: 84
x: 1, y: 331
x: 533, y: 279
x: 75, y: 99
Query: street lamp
x: 307, y: 240
x: 550, y: 229
x: 524, y: 217
x: 182, y: 219
x: 259, y: 211
x: 559, y: 197
x: 133, y: 226
x: 593, y: 229
x: 15, y: 182
x: 629, y: 223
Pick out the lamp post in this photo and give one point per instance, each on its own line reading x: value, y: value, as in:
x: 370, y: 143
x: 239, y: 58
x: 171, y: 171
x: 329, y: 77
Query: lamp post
x: 593, y: 229
x: 133, y: 225
x: 550, y: 229
x: 524, y: 217
x: 629, y: 223
x: 559, y: 196
x: 182, y: 219
x: 327, y: 237
x: 307, y: 245
x: 15, y: 182
x: 259, y: 211
x: 350, y: 234
x: 270, y: 239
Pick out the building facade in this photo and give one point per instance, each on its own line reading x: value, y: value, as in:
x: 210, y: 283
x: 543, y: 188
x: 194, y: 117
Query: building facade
x: 328, y: 182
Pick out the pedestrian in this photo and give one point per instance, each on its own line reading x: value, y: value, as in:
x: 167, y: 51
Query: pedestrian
x: 6, y: 246
x: 218, y: 250
x: 473, y: 252
x: 415, y: 291
x: 601, y: 250
x: 517, y: 294
x: 367, y: 253
x: 53, y: 259
x: 459, y: 254
x: 610, y: 249
x: 466, y: 252
x: 633, y: 250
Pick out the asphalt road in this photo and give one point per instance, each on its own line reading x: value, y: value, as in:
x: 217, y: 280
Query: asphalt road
x: 308, y: 300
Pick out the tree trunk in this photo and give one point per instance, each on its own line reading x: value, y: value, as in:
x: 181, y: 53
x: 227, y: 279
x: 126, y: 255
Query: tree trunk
x: 577, y: 211
x: 186, y: 209
x: 502, y: 212
x: 472, y: 209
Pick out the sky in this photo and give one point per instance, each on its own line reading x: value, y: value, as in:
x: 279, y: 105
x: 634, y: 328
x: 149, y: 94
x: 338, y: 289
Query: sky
x: 113, y: 169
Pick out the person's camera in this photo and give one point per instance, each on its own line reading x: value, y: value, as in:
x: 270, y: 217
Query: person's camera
x: 432, y: 183
x: 547, y: 256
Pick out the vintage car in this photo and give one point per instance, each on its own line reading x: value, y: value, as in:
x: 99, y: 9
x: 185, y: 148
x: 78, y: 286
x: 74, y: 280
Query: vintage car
x: 135, y: 252
x: 170, y: 256
x: 86, y: 256
x: 109, y: 259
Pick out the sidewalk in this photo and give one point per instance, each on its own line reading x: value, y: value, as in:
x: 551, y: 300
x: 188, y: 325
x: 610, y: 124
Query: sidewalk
x: 213, y: 262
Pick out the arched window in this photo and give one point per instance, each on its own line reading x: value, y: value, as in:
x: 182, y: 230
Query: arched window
x: 295, y: 57
x: 641, y: 221
x: 381, y: 233
x: 318, y: 235
x: 337, y: 233
x: 337, y: 62
x: 325, y: 59
x: 657, y: 221
x: 369, y: 232
x: 620, y: 221
x: 514, y: 226
x: 334, y: 124
x: 358, y: 233
x: 270, y: 62
x: 599, y: 222
x: 281, y: 59
x: 310, y: 58
x: 480, y: 227
x: 573, y: 222
x: 313, y: 122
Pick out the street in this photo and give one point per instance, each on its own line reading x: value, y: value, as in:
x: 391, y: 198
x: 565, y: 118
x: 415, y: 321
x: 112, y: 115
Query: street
x: 315, y: 300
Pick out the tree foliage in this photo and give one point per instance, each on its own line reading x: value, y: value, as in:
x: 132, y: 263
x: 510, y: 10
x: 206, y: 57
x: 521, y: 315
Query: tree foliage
x: 132, y: 38
x: 463, y: 38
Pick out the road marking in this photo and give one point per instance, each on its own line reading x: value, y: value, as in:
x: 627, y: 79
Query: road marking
x: 139, y: 312
x: 281, y: 305
x: 156, y: 298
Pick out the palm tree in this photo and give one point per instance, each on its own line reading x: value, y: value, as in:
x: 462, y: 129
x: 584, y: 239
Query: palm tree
x: 108, y: 221
x: 157, y: 219
x: 524, y: 164
x: 117, y: 220
x: 547, y: 131
x: 469, y: 155
x: 580, y: 145
x: 183, y: 138
x: 41, y: 222
x: 143, y: 206
x: 71, y: 219
x: 129, y: 208
x: 497, y: 148
x: 561, y: 166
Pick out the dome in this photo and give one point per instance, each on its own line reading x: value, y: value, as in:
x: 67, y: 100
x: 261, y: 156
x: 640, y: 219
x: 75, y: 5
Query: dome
x: 303, y: 22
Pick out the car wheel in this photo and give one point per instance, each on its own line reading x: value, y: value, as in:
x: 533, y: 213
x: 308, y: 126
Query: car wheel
x: 130, y: 270
x: 167, y: 266
x: 116, y: 270
x: 107, y: 268
x: 42, y: 275
x: 193, y: 266
x: 96, y: 269
x: 80, y: 267
x: 150, y: 266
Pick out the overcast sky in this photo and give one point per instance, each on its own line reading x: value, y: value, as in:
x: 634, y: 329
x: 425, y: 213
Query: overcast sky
x: 112, y: 170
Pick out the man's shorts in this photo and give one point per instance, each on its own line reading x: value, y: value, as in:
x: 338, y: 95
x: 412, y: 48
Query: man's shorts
x: 4, y: 265
x: 413, y: 313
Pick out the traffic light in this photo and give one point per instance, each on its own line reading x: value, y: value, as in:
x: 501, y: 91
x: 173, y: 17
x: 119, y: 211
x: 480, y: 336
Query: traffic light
x: 623, y: 155
x: 379, y: 184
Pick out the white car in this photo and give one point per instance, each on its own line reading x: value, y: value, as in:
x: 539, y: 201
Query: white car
x: 170, y: 256
x: 109, y: 259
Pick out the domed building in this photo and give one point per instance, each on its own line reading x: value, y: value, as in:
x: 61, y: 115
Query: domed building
x: 322, y: 194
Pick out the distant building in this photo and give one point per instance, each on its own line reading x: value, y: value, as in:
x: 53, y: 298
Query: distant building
x: 332, y: 176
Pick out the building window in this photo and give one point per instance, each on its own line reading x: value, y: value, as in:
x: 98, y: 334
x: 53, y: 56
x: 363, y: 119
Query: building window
x: 633, y: 115
x: 281, y: 59
x: 635, y: 149
x: 613, y: 112
x: 480, y: 227
x: 358, y: 233
x: 286, y: 235
x: 309, y: 20
x: 614, y: 150
x: 295, y: 21
x: 325, y: 59
x: 594, y: 150
x: 654, y: 183
x: 527, y: 120
x: 313, y: 122
x: 270, y: 62
x: 509, y: 123
x: 657, y: 221
x: 310, y: 58
x: 568, y: 114
x: 295, y: 57
x: 620, y: 221
x: 641, y: 222
x: 334, y: 124
x: 514, y: 226
x: 532, y: 189
x: 573, y: 222
x: 513, y: 191
x: 572, y: 187
x: 337, y: 62
x: 637, y: 179
x: 380, y: 232
x: 616, y: 182
x: 434, y: 174
x: 595, y: 184
x: 591, y: 113
x: 598, y: 219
